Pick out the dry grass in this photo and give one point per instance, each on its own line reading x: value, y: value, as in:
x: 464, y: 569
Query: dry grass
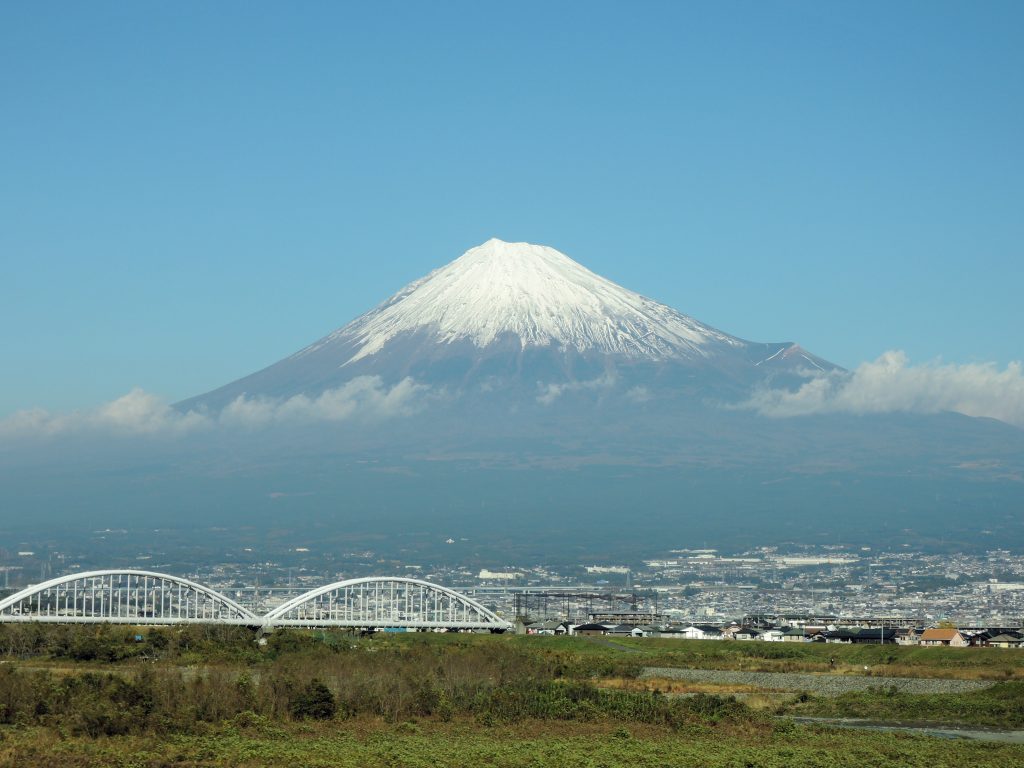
x: 665, y: 685
x: 756, y: 698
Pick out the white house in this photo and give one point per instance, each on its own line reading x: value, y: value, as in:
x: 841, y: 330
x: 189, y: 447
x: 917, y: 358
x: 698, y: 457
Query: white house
x: 702, y: 632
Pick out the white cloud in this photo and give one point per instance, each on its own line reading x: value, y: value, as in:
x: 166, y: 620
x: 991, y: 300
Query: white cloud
x: 364, y: 397
x: 638, y: 394
x: 141, y: 413
x: 890, y: 383
x: 551, y: 392
x: 136, y: 413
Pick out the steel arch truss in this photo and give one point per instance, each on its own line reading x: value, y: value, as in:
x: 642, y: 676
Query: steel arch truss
x: 383, y: 602
x: 123, y: 597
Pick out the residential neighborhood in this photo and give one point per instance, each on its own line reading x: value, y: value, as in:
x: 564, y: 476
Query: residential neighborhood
x: 943, y: 636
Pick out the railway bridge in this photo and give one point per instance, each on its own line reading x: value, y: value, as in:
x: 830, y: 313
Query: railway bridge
x: 146, y: 597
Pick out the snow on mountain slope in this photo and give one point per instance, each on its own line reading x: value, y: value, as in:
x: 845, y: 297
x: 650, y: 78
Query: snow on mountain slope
x: 536, y: 294
x: 523, y: 318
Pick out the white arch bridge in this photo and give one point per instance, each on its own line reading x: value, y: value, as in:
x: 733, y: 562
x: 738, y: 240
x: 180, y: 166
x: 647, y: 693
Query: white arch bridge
x: 146, y: 597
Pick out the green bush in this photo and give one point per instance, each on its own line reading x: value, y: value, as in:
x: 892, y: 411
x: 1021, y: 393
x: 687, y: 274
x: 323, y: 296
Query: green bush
x: 314, y: 701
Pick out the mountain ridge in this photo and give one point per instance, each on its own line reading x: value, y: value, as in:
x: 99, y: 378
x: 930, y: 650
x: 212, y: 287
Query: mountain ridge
x: 518, y: 316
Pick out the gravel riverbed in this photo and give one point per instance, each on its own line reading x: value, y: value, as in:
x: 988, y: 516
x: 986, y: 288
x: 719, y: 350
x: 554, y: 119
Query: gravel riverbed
x: 822, y: 685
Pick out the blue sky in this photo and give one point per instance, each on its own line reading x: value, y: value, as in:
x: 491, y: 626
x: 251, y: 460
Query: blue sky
x: 189, y: 192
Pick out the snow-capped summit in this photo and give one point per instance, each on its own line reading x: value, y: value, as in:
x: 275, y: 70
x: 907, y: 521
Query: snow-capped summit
x: 535, y: 294
x: 527, y: 317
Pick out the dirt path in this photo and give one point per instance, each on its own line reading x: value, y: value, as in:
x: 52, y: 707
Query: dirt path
x: 825, y: 685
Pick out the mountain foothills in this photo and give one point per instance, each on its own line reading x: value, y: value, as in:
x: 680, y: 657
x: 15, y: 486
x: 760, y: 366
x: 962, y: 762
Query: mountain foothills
x: 518, y: 400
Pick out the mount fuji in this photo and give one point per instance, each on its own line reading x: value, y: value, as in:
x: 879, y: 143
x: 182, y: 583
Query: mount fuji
x: 516, y: 400
x: 522, y: 319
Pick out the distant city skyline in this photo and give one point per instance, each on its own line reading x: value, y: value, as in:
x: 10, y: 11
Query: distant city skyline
x: 190, y: 195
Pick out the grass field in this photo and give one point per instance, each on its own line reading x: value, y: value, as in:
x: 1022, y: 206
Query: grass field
x: 883, y: 660
x: 429, y: 744
x: 207, y: 696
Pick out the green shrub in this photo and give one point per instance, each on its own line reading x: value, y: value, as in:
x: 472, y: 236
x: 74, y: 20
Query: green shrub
x: 314, y: 701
